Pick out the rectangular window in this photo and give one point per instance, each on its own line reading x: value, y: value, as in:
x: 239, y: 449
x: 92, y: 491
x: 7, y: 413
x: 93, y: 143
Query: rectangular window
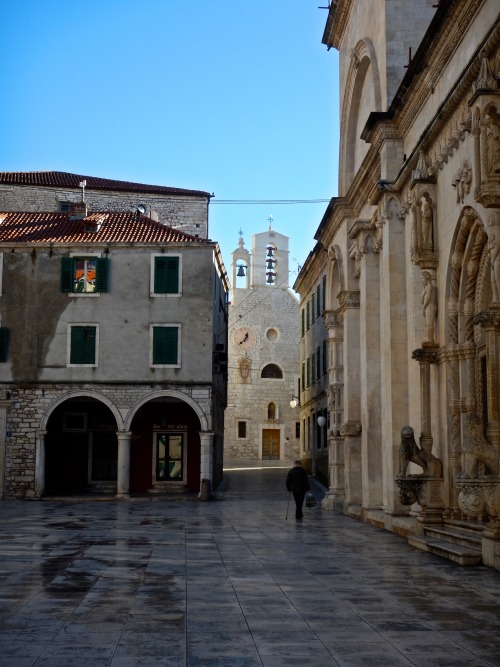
x: 166, y: 275
x: 324, y: 292
x: 318, y: 363
x: 169, y: 457
x: 303, y: 375
x: 297, y: 430
x: 318, y: 300
x: 308, y: 371
x: 165, y: 346
x: 242, y: 429
x: 303, y: 321
x: 84, y: 275
x: 313, y: 317
x: 325, y: 358
x: 83, y: 345
x: 308, y: 313
x: 4, y: 344
x: 313, y: 367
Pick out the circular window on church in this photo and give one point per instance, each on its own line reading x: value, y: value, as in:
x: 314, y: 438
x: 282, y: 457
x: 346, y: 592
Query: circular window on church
x: 271, y: 334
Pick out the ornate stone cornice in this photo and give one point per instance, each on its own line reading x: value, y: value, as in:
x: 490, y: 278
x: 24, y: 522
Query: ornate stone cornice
x: 411, y: 108
x: 337, y: 21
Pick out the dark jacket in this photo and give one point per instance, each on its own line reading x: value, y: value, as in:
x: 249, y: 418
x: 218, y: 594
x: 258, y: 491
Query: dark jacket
x: 297, y: 480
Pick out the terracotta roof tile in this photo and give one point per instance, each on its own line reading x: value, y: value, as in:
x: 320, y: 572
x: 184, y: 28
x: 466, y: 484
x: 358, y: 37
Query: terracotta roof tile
x: 61, y: 179
x: 111, y: 228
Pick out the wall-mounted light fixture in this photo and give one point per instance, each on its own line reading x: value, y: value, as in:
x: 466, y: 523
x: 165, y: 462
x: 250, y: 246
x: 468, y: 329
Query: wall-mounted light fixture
x: 295, y: 402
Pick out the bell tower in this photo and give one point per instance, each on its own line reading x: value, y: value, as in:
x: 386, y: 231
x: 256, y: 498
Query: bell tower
x: 270, y: 259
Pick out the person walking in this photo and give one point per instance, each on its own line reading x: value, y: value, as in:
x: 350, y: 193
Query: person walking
x: 297, y: 483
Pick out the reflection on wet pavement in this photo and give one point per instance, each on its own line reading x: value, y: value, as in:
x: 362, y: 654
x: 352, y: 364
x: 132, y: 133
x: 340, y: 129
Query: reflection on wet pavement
x: 231, y: 583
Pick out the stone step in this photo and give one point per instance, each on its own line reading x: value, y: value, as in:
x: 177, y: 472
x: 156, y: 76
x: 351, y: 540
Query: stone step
x: 455, y: 552
x: 464, y: 537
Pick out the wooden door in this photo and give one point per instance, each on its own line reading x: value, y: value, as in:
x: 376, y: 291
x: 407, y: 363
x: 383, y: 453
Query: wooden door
x: 270, y: 444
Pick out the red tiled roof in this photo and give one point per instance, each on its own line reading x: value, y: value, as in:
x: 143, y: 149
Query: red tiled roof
x: 112, y: 228
x: 61, y: 179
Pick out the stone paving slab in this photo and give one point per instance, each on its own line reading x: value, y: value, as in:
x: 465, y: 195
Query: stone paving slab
x: 231, y: 583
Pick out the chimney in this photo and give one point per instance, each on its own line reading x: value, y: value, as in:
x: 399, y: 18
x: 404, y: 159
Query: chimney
x: 77, y: 210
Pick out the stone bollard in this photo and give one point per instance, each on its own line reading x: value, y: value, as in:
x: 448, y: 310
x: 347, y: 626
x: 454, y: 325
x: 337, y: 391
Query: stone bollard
x: 205, y: 490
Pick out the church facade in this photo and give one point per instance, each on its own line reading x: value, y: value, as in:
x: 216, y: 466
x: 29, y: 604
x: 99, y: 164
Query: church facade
x: 263, y: 357
x: 409, y: 253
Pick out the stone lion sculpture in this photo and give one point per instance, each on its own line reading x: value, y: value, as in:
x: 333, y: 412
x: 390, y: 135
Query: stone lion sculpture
x: 477, y: 449
x: 410, y: 452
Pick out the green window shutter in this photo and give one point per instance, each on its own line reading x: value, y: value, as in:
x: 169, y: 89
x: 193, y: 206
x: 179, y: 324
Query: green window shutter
x: 4, y: 344
x: 324, y: 292
x: 165, y: 340
x: 67, y: 274
x: 303, y: 322
x: 83, y: 340
x: 166, y: 278
x: 101, y: 278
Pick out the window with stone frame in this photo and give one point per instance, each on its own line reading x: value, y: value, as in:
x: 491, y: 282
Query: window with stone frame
x: 165, y: 345
x: 242, y: 429
x: 166, y: 275
x: 83, y: 339
x: 85, y: 274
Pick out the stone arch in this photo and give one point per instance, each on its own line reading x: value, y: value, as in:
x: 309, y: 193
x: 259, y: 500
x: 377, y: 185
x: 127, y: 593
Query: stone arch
x: 467, y: 292
x: 85, y: 459
x: 363, y: 64
x: 83, y: 394
x: 204, y: 424
x: 271, y: 371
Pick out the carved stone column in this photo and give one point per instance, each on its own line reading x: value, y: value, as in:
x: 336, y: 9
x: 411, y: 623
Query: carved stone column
x: 425, y: 357
x: 123, y: 473
x: 335, y: 496
x: 490, y: 322
x: 367, y: 243
x: 350, y: 430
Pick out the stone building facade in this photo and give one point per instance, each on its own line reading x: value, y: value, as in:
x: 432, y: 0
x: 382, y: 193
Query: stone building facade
x: 263, y: 358
x: 410, y: 252
x: 113, y: 336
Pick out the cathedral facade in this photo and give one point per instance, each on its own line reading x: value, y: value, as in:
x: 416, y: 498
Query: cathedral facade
x: 410, y: 255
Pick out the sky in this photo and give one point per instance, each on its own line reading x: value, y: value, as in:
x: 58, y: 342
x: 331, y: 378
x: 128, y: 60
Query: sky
x: 238, y: 99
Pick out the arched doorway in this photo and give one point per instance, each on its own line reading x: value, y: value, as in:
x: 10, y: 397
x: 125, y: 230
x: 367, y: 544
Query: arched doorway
x: 165, y: 451
x: 81, y: 448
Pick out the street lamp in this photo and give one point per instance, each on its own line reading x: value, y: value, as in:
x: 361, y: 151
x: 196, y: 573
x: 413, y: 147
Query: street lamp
x: 295, y: 402
x: 321, y: 420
